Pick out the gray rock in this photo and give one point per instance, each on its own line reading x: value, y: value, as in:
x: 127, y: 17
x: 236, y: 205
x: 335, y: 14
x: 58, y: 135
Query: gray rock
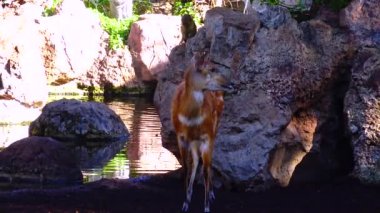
x: 362, y: 18
x: 150, y: 41
x: 282, y: 71
x: 88, y: 123
x: 39, y: 160
x: 362, y: 105
x: 272, y: 16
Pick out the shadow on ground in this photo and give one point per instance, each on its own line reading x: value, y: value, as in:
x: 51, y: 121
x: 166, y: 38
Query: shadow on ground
x: 164, y: 193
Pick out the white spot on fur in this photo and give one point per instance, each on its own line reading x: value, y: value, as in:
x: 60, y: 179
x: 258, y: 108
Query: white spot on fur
x: 192, y: 121
x: 198, y: 96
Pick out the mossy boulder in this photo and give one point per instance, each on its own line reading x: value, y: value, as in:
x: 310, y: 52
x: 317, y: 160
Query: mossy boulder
x: 72, y: 120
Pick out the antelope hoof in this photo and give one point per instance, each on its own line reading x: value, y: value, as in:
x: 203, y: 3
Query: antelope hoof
x: 207, y: 209
x: 185, y: 207
x: 212, y: 196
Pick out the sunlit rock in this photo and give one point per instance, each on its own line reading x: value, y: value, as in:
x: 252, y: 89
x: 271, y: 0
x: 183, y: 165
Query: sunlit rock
x: 296, y: 142
x: 114, y: 68
x: 362, y: 105
x: 150, y: 41
x: 22, y: 75
x: 73, y: 39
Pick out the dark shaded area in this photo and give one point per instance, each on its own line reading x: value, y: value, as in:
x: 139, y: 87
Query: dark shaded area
x: 164, y: 193
x: 336, y: 149
x: 1, y: 83
x: 317, y: 7
x: 334, y: 158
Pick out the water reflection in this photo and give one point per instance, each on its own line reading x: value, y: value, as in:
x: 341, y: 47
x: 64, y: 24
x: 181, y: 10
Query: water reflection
x: 142, y: 154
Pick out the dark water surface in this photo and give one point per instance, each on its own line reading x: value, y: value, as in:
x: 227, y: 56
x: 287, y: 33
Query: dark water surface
x: 142, y: 154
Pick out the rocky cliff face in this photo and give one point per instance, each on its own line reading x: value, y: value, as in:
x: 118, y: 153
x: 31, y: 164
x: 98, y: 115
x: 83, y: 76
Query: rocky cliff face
x: 362, y: 105
x: 292, y: 79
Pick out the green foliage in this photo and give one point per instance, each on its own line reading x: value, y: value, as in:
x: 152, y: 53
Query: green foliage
x: 180, y: 9
x: 299, y: 7
x: 271, y: 2
x: 118, y: 30
x: 117, y: 163
x: 142, y: 7
x: 49, y: 11
x: 99, y: 5
x: 333, y: 4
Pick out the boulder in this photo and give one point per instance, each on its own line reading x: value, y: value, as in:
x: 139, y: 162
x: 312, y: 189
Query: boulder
x: 84, y: 123
x: 362, y: 105
x: 39, y: 160
x: 150, y: 41
x: 362, y: 18
x: 114, y: 68
x: 22, y: 75
x: 73, y: 41
x: 282, y: 71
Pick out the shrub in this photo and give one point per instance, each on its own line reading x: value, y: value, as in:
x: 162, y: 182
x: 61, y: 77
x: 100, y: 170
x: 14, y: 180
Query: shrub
x: 142, y: 7
x: 118, y: 30
x: 100, y: 5
x: 49, y: 11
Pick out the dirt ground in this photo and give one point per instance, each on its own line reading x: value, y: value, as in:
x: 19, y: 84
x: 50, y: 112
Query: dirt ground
x: 165, y: 193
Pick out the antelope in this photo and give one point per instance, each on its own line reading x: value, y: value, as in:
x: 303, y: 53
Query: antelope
x: 195, y: 112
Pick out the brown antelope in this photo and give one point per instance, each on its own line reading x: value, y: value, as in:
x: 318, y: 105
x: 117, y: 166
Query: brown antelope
x: 196, y: 109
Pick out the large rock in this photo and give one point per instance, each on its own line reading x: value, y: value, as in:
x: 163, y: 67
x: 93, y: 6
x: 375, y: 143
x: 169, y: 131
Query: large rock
x: 73, y: 42
x: 114, y: 68
x: 80, y: 122
x: 282, y: 71
x: 150, y: 41
x: 362, y: 17
x: 38, y: 160
x: 22, y: 75
x: 362, y: 105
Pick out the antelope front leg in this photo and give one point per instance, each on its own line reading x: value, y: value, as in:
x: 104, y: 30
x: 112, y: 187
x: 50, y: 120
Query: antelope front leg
x: 206, y: 152
x: 185, y: 158
x: 189, y: 191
